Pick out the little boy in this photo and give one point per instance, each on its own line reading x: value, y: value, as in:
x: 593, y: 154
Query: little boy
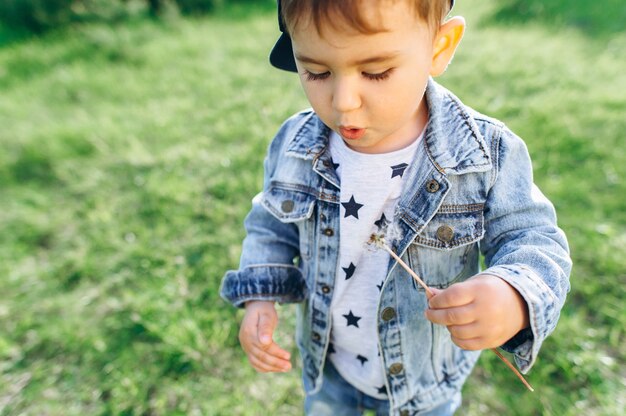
x: 385, y: 149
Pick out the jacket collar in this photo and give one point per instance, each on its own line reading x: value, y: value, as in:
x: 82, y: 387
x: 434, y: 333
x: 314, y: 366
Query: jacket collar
x: 310, y: 139
x: 452, y: 139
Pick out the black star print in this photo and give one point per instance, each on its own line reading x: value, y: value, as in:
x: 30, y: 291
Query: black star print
x: 335, y: 165
x: 382, y: 222
x: 331, y: 348
x: 382, y: 390
x: 398, y: 170
x: 349, y: 270
x: 380, y: 286
x: 361, y: 359
x: 352, y: 208
x: 352, y: 319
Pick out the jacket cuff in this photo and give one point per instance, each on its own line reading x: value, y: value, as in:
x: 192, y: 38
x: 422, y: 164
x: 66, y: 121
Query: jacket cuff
x: 542, y: 312
x: 270, y: 282
x: 522, y: 337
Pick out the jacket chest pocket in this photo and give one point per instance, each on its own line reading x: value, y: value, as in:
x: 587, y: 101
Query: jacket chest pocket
x: 293, y: 203
x: 446, y: 251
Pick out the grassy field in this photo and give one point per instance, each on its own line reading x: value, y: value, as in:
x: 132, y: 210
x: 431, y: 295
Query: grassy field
x: 128, y: 158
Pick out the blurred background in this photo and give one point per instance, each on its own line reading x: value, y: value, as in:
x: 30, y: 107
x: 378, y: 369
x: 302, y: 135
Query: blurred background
x: 132, y: 135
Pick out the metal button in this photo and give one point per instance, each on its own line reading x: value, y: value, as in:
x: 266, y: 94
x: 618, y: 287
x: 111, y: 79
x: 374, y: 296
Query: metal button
x: 329, y: 232
x: 325, y: 289
x: 388, y: 314
x: 326, y: 162
x: 315, y: 336
x: 287, y: 205
x: 404, y: 413
x: 322, y: 217
x: 432, y: 186
x: 396, y: 368
x: 445, y: 233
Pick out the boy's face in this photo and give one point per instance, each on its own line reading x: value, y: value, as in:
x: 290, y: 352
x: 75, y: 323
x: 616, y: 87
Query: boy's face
x: 369, y: 88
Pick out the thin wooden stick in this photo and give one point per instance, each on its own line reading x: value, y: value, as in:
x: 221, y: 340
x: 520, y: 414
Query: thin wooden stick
x: 379, y: 241
x: 513, y: 369
x: 429, y: 292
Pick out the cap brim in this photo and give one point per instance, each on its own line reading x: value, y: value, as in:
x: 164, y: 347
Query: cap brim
x: 282, y: 54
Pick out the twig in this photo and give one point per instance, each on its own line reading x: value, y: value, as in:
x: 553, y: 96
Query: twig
x: 429, y: 292
x: 379, y: 241
x: 513, y: 369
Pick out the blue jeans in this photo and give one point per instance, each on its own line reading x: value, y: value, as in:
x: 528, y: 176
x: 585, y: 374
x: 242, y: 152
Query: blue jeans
x: 337, y: 397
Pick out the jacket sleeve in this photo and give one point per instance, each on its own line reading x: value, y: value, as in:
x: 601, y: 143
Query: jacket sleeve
x: 524, y: 246
x: 267, y: 269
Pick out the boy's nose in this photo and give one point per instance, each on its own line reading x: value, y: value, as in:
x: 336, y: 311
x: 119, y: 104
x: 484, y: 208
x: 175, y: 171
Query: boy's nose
x: 346, y: 96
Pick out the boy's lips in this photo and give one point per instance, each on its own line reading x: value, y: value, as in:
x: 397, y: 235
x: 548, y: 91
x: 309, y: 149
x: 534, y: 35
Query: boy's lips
x: 351, y: 133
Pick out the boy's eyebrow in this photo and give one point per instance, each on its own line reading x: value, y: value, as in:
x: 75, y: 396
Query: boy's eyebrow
x: 369, y: 60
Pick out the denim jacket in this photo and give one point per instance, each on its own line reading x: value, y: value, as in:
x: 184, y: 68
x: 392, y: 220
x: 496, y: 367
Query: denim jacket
x: 468, y: 191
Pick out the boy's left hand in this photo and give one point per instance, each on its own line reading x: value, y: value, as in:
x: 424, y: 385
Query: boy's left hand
x: 482, y: 312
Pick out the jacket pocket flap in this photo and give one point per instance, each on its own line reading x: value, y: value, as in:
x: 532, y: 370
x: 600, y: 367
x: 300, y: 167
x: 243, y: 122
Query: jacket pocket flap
x: 453, y: 226
x: 289, y: 202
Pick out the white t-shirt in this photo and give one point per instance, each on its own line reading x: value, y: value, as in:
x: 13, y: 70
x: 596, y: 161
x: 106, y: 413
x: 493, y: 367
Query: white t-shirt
x: 371, y: 185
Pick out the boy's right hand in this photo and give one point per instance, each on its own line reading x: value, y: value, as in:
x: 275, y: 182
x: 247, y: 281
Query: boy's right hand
x: 255, y: 336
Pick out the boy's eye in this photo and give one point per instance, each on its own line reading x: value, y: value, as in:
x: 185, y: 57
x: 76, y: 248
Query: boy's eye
x: 312, y: 76
x: 378, y: 77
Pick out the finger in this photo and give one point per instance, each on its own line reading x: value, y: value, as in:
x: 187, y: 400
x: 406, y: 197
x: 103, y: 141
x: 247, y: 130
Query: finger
x: 465, y: 332
x: 265, y: 330
x: 250, y: 343
x: 270, y: 359
x: 473, y: 344
x: 259, y: 365
x: 455, y: 295
x: 276, y: 351
x: 451, y: 316
x: 264, y: 367
x: 432, y: 291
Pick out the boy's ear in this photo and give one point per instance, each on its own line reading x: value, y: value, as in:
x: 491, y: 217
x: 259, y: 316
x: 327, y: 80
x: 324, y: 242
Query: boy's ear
x: 446, y: 41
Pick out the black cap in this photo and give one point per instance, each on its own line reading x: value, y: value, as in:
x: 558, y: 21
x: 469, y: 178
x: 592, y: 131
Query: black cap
x: 281, y: 55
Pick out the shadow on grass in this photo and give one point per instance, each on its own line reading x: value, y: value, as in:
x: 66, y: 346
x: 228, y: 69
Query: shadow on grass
x: 8, y: 36
x: 593, y: 18
x: 109, y: 42
x: 12, y: 32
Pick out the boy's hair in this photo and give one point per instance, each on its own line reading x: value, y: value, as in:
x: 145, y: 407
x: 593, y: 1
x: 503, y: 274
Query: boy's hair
x: 349, y: 11
x: 322, y: 11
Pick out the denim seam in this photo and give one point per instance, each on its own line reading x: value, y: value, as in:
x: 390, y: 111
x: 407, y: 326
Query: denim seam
x: 496, y: 158
x: 431, y: 157
x: 435, y: 244
x: 466, y: 116
x: 460, y: 209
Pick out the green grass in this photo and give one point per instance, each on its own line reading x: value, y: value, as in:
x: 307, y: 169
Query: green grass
x: 129, y: 155
x: 594, y: 18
